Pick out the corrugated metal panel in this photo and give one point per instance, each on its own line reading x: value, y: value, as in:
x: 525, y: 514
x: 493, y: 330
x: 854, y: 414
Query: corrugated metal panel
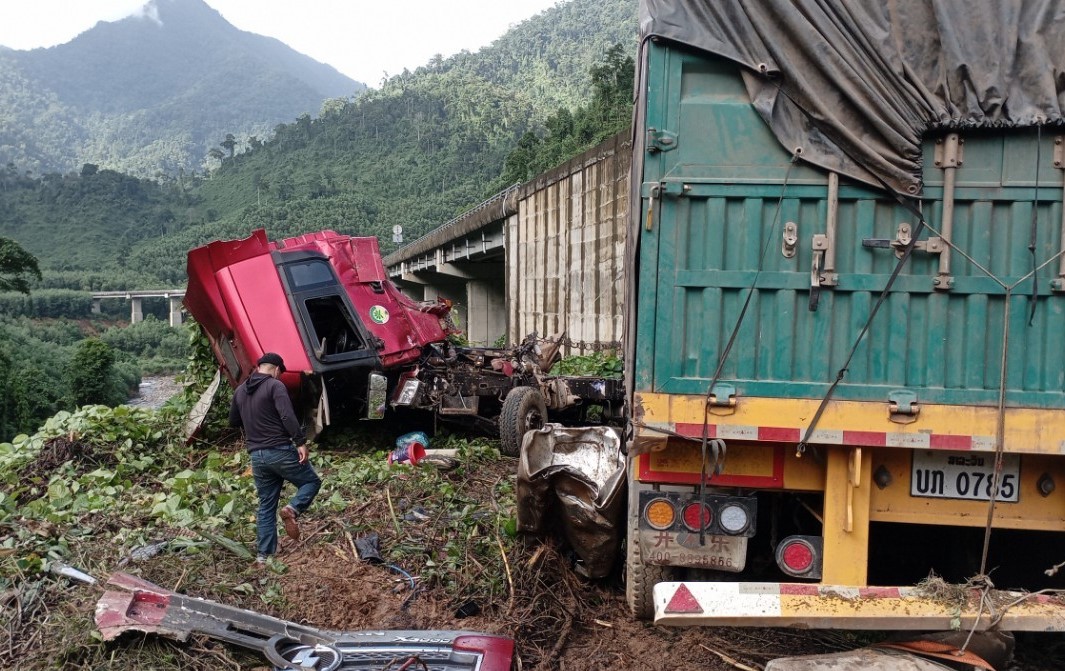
x: 730, y: 188
x: 565, y: 249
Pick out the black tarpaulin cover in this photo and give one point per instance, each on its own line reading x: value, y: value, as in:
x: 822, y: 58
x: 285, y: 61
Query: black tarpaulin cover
x: 856, y: 83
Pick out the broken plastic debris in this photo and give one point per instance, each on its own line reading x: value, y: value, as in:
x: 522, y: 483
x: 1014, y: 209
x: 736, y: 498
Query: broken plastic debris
x: 416, y: 514
x: 410, y: 448
x: 60, y: 568
x: 368, y: 548
x: 468, y: 609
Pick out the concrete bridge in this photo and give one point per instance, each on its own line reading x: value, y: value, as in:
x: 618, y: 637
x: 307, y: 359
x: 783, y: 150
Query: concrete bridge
x: 544, y: 256
x: 174, y: 296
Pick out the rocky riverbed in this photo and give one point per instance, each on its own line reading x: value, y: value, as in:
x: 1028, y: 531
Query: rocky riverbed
x: 154, y: 391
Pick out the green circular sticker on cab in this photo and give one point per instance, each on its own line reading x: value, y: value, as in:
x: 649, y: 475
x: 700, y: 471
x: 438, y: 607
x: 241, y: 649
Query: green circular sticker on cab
x: 379, y: 314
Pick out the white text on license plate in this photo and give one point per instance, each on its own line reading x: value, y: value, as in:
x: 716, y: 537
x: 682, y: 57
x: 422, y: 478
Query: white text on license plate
x: 970, y: 476
x: 673, y: 548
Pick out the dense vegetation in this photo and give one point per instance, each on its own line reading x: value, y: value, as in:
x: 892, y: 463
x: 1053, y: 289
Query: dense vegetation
x: 87, y: 222
x: 425, y: 146
x: 418, y: 151
x: 571, y: 132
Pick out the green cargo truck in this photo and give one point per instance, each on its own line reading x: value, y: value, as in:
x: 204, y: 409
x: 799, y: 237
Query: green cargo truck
x: 846, y: 312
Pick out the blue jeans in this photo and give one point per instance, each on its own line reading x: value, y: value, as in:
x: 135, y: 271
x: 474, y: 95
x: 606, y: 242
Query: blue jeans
x: 271, y: 469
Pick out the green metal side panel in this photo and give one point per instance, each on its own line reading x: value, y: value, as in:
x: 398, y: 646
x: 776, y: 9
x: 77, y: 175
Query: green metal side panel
x: 727, y: 189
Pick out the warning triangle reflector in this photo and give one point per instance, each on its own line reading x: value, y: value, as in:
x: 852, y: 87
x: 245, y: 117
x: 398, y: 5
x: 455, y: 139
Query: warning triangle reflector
x: 683, y: 601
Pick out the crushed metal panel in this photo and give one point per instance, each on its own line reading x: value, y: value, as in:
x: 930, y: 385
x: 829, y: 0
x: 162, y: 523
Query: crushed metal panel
x: 583, y: 471
x: 138, y: 605
x: 863, y: 659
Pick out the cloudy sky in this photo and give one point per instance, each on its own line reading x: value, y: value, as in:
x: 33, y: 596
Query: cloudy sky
x: 406, y: 33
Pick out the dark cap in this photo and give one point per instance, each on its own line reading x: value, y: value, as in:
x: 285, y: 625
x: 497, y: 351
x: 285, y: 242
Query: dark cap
x: 274, y: 359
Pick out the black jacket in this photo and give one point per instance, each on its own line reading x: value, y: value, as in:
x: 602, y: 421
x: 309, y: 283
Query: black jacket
x: 261, y: 405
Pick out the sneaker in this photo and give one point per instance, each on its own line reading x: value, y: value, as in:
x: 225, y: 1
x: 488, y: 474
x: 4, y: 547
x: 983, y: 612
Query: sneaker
x: 292, y: 527
x: 260, y: 563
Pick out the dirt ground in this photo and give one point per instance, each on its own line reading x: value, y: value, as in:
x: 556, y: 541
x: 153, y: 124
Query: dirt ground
x: 558, y: 620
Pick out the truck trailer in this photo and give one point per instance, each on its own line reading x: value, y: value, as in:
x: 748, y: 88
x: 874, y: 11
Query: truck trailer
x: 844, y: 348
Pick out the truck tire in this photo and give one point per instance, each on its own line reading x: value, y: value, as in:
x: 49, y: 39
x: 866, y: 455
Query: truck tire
x: 640, y: 578
x: 523, y: 410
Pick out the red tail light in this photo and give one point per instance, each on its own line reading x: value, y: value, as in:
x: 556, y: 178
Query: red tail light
x: 800, y: 556
x: 692, y: 516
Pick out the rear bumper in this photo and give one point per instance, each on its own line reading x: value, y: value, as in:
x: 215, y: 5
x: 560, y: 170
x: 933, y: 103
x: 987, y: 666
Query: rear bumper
x: 809, y: 606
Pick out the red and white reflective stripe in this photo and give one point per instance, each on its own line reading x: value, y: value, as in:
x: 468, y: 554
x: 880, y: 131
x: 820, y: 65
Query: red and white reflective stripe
x: 781, y: 434
x: 824, y: 606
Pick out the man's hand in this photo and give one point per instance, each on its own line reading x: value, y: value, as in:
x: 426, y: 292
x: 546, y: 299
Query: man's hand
x: 303, y: 452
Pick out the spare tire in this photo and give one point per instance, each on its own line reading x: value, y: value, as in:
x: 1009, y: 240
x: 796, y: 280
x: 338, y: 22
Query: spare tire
x: 523, y: 410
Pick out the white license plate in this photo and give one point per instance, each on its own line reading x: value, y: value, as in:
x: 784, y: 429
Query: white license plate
x: 681, y: 548
x: 969, y: 476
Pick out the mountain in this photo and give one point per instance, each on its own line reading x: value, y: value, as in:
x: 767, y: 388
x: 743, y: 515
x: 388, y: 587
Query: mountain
x: 416, y: 152
x: 153, y: 92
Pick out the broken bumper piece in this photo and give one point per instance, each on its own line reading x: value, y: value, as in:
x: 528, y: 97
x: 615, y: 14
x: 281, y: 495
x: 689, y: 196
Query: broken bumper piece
x: 138, y: 605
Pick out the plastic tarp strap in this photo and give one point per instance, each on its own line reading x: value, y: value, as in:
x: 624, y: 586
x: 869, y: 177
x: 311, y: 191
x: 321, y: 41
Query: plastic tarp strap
x: 856, y: 84
x: 575, y: 477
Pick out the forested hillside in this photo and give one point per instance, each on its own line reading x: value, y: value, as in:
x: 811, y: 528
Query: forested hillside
x: 425, y: 146
x: 150, y: 94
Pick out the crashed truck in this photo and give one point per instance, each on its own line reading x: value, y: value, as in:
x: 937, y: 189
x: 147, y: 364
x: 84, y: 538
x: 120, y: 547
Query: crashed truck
x: 845, y: 310
x: 354, y: 346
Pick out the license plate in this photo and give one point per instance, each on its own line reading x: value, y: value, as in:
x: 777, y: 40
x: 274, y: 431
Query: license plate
x: 681, y: 548
x: 969, y: 476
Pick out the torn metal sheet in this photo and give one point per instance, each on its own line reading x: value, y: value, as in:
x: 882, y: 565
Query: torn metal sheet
x: 198, y: 414
x: 581, y: 469
x: 137, y: 605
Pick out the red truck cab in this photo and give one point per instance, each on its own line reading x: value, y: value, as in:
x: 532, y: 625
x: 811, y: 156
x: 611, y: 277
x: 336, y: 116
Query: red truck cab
x: 322, y: 301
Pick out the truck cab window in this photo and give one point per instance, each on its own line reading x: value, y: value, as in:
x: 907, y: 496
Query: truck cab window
x: 332, y: 330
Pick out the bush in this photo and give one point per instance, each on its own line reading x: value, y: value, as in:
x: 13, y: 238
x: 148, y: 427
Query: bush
x: 90, y: 374
x: 32, y: 378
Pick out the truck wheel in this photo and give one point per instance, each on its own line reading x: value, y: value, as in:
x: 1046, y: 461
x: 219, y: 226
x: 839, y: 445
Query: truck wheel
x: 640, y: 578
x: 523, y: 410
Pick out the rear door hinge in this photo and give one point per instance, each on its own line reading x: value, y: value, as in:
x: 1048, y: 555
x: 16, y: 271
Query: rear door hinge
x: 902, y: 406
x: 723, y: 395
x: 660, y: 140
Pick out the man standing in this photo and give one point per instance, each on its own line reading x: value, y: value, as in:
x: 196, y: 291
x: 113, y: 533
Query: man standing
x: 278, y: 450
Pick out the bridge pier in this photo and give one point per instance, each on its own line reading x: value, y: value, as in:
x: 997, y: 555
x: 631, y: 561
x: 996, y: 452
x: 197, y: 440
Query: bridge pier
x: 478, y: 290
x: 487, y: 312
x: 97, y: 307
x: 136, y: 314
x: 175, y: 311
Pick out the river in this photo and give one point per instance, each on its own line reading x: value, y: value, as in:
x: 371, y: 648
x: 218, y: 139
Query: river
x: 154, y: 391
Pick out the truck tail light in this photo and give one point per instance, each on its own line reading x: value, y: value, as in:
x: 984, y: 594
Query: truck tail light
x: 694, y: 520
x: 733, y: 519
x: 660, y: 514
x: 800, y: 556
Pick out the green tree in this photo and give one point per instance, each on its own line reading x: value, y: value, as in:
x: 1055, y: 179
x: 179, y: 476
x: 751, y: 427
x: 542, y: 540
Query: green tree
x: 15, y: 264
x: 90, y: 374
x: 229, y: 143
